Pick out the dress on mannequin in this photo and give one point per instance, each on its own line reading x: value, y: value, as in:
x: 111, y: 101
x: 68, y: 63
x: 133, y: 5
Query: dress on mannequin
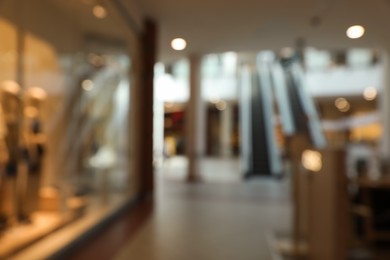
x: 3, y: 160
x: 32, y: 151
x: 10, y: 102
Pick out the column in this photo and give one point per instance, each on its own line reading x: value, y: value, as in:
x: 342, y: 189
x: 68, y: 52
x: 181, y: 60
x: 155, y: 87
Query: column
x: 226, y: 129
x: 194, y: 121
x: 384, y: 106
x: 245, y: 93
x: 144, y: 112
x: 158, y: 131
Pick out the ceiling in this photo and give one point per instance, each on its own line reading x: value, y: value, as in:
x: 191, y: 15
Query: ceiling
x: 81, y: 13
x: 251, y: 25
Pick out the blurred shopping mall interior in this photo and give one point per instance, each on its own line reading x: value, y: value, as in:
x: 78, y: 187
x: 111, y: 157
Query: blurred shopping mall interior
x: 205, y: 130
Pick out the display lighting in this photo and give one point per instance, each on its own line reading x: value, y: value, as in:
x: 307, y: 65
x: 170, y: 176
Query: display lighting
x: 312, y: 160
x: 99, y: 11
x: 10, y: 86
x: 37, y: 93
x: 355, y: 32
x: 178, y: 44
x: 370, y: 93
x: 221, y: 105
x: 342, y: 104
x: 87, y: 85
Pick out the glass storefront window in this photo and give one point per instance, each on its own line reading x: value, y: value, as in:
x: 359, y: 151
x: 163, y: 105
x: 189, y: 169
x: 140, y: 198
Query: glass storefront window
x: 64, y: 121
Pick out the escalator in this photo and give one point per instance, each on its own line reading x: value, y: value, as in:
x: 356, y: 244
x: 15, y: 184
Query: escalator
x: 258, y: 139
x: 260, y: 156
x: 274, y: 90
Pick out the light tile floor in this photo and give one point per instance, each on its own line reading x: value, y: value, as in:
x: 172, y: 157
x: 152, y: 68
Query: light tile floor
x: 219, y: 218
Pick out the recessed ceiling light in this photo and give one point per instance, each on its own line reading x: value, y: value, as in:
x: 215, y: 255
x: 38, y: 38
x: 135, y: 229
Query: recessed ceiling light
x: 370, y: 93
x: 178, y: 44
x: 87, y: 85
x: 99, y: 11
x: 221, y: 105
x: 355, y: 32
x: 342, y: 104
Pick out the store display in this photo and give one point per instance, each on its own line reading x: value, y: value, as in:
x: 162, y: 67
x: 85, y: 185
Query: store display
x: 64, y: 116
x: 33, y: 148
x: 10, y: 102
x: 21, y: 148
x: 3, y: 160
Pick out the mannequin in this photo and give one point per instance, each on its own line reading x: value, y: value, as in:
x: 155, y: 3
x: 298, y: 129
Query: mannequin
x: 33, y: 149
x: 3, y: 160
x: 9, y: 141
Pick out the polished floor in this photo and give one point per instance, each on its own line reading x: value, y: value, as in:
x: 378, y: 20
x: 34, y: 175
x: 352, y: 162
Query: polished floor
x: 221, y: 217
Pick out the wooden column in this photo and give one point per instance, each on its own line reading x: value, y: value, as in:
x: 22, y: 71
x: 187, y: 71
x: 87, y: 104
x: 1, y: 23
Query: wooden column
x: 145, y: 103
x: 296, y: 145
x: 385, y: 106
x: 328, y: 208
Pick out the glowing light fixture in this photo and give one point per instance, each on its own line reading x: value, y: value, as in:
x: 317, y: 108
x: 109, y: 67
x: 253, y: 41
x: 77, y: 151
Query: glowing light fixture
x: 10, y: 86
x: 312, y: 160
x: 178, y: 44
x: 221, y: 105
x: 37, y: 93
x: 342, y: 104
x: 355, y: 32
x: 370, y: 93
x: 99, y: 11
x: 87, y: 85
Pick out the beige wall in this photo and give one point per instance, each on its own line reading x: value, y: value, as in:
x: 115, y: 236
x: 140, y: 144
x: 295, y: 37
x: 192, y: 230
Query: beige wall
x: 7, y: 50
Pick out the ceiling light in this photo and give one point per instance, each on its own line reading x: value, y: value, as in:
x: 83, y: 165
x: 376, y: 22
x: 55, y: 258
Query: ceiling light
x: 178, y: 44
x: 355, y: 32
x: 87, y: 85
x: 370, y: 93
x: 342, y: 104
x: 99, y: 11
x: 221, y: 105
